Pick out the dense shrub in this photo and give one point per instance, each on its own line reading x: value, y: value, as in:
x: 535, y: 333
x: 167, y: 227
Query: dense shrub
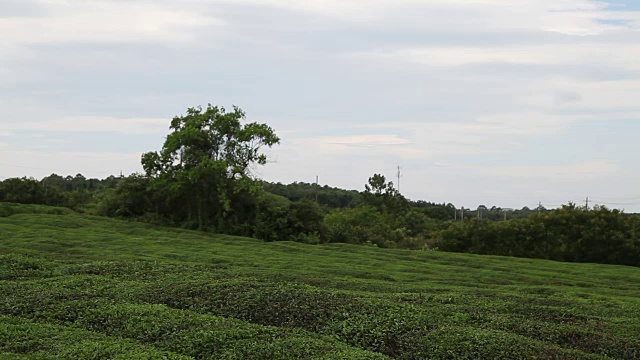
x: 567, y: 234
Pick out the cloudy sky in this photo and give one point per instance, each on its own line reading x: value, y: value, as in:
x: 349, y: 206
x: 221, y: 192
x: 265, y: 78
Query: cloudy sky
x: 490, y: 102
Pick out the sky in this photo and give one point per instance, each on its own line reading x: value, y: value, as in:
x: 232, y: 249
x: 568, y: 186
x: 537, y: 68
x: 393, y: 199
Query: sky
x: 480, y: 102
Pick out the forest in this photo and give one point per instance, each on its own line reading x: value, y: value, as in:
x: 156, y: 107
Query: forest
x: 202, y: 179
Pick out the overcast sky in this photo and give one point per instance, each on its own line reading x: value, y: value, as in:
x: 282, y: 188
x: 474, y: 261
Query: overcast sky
x: 489, y: 102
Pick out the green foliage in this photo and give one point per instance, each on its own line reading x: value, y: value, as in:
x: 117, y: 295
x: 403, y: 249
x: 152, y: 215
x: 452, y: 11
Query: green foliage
x: 8, y: 209
x: 128, y: 199
x: 566, y: 234
x: 273, y: 222
x: 359, y: 226
x: 379, y: 216
x: 72, y: 192
x: 204, y: 161
x: 37, y: 340
x: 281, y: 219
x: 382, y: 195
x: 74, y: 286
x: 440, y: 212
x: 200, y: 180
x: 382, y: 218
x: 29, y: 191
x: 306, y: 218
x: 329, y: 197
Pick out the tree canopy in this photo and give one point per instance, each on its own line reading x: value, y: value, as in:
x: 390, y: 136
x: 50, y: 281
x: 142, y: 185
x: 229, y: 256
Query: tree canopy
x: 205, y: 160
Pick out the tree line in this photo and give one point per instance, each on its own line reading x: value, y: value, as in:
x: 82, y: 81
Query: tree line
x: 202, y: 179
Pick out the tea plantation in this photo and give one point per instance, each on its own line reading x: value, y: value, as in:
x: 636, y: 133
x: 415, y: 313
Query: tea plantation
x: 80, y: 287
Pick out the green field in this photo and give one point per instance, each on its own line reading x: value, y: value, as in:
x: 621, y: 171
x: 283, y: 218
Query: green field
x: 80, y: 287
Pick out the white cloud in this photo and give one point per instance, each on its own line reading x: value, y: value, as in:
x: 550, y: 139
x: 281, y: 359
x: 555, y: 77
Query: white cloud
x: 365, y: 140
x: 622, y: 56
x: 592, y: 170
x: 103, y: 20
x: 613, y: 95
x: 103, y: 124
x: 436, y: 141
x: 572, y: 17
x: 363, y: 144
x: 511, y: 75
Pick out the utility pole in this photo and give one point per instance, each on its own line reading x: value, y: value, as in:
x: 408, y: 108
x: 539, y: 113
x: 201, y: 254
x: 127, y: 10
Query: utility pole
x: 462, y: 214
x: 539, y: 206
x: 587, y: 204
x: 316, y: 188
x: 399, y: 174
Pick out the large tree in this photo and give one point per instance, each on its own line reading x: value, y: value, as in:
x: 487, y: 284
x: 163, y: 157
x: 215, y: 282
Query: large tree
x: 206, y: 159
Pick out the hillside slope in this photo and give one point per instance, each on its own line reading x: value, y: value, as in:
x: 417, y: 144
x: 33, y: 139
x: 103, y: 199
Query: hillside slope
x: 82, y: 287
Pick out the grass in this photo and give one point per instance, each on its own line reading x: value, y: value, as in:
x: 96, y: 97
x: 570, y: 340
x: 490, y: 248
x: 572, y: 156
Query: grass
x: 74, y: 286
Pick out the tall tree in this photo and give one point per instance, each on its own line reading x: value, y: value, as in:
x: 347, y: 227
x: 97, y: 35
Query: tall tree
x: 206, y: 159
